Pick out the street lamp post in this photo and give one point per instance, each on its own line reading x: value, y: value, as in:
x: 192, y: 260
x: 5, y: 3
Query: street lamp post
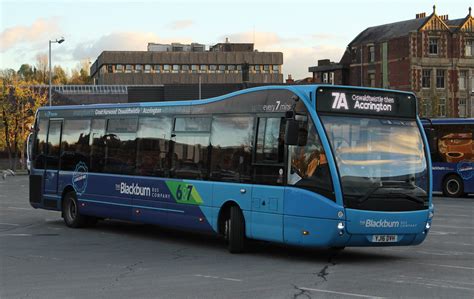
x: 59, y: 41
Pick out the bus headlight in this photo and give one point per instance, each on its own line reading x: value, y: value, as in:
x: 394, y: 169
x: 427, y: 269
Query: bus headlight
x: 427, y: 226
x: 430, y: 214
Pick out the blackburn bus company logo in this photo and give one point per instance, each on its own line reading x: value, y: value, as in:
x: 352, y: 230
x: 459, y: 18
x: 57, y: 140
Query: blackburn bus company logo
x: 381, y: 223
x: 79, y: 178
x: 466, y: 169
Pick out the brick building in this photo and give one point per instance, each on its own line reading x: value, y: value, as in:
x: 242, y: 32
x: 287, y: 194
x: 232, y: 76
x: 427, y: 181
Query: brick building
x: 178, y: 63
x: 429, y: 55
x: 329, y: 72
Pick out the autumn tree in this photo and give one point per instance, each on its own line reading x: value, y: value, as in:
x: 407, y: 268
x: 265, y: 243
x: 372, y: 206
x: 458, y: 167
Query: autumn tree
x: 42, y: 68
x: 59, y: 76
x: 18, y: 104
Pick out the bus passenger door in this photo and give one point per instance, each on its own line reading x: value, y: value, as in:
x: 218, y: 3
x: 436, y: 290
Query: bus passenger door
x: 51, y: 170
x: 267, y: 209
x: 268, y: 176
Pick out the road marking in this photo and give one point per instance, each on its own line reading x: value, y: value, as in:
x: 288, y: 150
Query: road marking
x: 11, y: 224
x: 445, y: 266
x: 17, y: 208
x: 432, y: 252
x: 16, y: 235
x: 339, y: 293
x: 434, y: 232
x: 429, y: 283
x: 217, y: 277
x: 452, y: 216
x: 451, y: 226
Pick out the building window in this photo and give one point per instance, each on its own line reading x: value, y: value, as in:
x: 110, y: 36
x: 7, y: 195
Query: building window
x: 354, y: 54
x: 157, y: 68
x: 426, y: 79
x: 138, y: 68
x: 331, y: 78
x: 212, y: 68
x: 110, y: 68
x: 276, y: 69
x: 440, y: 78
x: 325, y: 78
x: 257, y: 69
x: 119, y: 68
x: 433, y: 46
x: 462, y: 80
x: 372, y: 80
x: 231, y: 68
x: 469, y: 48
x: 462, y: 107
x: 203, y: 68
x: 185, y: 68
x: 442, y: 107
x: 128, y: 68
x: 371, y: 53
x: 221, y: 69
x: 175, y: 68
x: 426, y: 108
x: 266, y: 69
x: 147, y: 68
x: 166, y: 68
x: 194, y: 68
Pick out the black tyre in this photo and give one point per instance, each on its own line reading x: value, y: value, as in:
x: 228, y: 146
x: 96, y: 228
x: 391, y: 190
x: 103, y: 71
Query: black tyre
x: 71, y: 215
x: 453, y: 186
x: 235, y: 231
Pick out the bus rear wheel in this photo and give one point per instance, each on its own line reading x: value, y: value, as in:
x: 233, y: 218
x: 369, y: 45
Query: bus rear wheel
x: 453, y: 186
x: 71, y: 214
x: 235, y: 231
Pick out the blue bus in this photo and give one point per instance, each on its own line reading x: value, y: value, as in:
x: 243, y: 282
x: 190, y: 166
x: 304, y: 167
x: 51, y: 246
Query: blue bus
x: 313, y: 165
x: 452, y: 154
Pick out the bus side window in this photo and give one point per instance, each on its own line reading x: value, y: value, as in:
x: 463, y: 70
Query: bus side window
x: 231, y: 146
x: 97, y: 142
x: 190, y: 148
x: 153, y: 141
x: 75, y: 146
x: 309, y: 165
x: 39, y: 148
x: 120, y: 142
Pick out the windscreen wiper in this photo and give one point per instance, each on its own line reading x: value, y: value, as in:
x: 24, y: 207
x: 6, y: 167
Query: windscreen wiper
x: 414, y: 198
x: 410, y: 197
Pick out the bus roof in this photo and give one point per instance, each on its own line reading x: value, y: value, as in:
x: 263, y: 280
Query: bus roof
x: 447, y: 121
x: 301, y: 90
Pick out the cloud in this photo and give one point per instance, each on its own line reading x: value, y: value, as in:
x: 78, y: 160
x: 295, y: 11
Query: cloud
x: 296, y: 61
x: 181, y: 24
x: 40, y: 31
x: 261, y: 40
x: 118, y: 41
x: 298, y: 53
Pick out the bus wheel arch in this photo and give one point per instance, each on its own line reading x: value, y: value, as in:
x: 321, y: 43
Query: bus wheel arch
x: 70, y: 210
x: 453, y: 185
x: 231, y: 224
x: 66, y: 190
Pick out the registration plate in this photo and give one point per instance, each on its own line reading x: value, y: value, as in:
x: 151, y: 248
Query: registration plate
x: 384, y: 238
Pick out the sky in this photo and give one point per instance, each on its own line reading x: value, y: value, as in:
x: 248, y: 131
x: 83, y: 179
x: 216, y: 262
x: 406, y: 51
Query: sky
x: 304, y: 30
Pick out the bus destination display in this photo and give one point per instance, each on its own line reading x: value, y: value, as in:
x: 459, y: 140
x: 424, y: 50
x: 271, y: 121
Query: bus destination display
x: 367, y: 102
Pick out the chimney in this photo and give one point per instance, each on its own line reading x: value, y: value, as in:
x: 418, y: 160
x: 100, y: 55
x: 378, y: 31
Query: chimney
x: 226, y: 40
x: 444, y: 17
x: 421, y: 15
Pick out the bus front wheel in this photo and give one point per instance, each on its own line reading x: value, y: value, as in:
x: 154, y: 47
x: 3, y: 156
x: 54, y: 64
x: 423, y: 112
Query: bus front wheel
x: 453, y: 186
x: 71, y: 214
x: 235, y: 230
